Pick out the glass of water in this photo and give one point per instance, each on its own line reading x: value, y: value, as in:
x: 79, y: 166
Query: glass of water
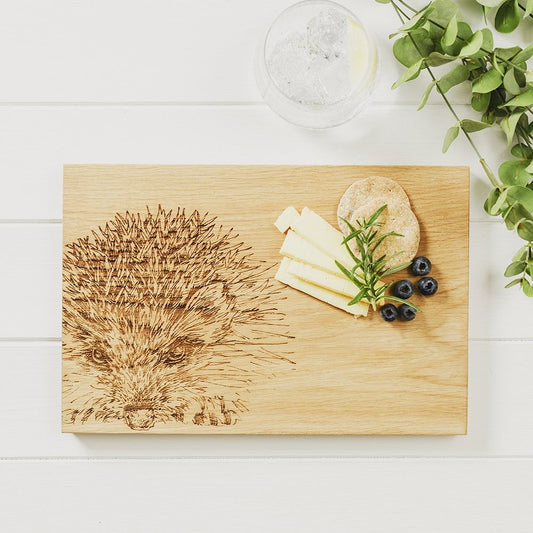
x: 317, y: 64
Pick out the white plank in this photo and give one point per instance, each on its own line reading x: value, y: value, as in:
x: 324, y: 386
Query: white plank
x: 404, y: 496
x: 500, y: 422
x: 165, y: 51
x: 32, y: 283
x: 37, y: 141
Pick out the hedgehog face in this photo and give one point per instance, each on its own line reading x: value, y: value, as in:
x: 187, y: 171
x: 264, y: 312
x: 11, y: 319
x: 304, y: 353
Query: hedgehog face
x: 161, y: 314
x: 148, y: 361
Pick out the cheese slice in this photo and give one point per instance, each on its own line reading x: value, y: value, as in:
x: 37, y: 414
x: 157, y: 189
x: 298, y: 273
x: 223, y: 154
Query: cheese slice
x: 323, y: 279
x: 322, y: 235
x: 286, y: 219
x: 336, y: 300
x: 296, y: 247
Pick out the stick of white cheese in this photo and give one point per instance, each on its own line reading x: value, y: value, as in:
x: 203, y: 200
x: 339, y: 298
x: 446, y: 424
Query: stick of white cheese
x: 337, y: 300
x: 300, y: 249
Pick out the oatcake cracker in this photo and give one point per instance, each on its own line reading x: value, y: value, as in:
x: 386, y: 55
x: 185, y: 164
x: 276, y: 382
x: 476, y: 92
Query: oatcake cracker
x: 365, y: 197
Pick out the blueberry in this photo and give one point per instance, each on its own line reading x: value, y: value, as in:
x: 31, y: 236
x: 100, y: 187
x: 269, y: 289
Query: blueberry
x: 403, y: 289
x: 427, y: 286
x: 406, y: 312
x: 389, y: 312
x: 421, y: 266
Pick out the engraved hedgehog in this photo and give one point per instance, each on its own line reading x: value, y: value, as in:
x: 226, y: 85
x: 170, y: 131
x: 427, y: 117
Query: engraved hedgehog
x: 165, y: 317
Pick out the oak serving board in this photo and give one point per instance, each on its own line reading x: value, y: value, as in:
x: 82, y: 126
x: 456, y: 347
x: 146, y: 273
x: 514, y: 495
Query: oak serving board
x: 173, y: 323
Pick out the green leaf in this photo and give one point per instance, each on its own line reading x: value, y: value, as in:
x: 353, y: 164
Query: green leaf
x: 522, y: 151
x: 508, y: 16
x: 473, y: 45
x: 480, y: 101
x: 490, y: 203
x: 464, y: 33
x: 529, y: 168
x: 412, y: 72
x: 471, y: 126
x: 513, y: 172
x: 417, y: 20
x: 487, y: 82
x: 514, y: 214
x: 457, y: 75
x: 522, y: 195
x: 513, y: 283
x: 436, y: 59
x: 450, y: 136
x: 527, y: 288
x: 425, y: 95
x: 486, y: 46
x: 413, y: 47
x: 510, y: 83
x: 529, y: 8
x: 515, y: 268
x: 522, y: 100
x: 451, y: 32
x: 521, y: 254
x: 525, y: 230
x: 526, y: 53
x: 443, y: 11
x: 489, y: 3
x: 508, y: 125
x: 359, y: 296
x: 507, y: 53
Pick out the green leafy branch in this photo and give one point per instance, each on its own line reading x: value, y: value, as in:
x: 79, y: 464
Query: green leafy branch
x: 367, y: 271
x: 501, y: 88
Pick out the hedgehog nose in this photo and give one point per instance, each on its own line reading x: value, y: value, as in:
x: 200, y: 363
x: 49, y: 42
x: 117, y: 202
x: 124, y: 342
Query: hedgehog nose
x: 139, y: 417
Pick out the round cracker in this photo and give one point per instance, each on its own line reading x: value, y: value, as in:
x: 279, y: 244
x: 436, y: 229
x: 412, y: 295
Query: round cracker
x: 364, y: 198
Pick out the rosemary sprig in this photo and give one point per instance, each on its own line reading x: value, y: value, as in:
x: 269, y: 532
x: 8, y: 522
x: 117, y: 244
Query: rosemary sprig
x: 367, y: 270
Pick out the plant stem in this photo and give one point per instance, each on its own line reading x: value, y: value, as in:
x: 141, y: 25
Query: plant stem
x: 464, y: 40
x: 488, y: 171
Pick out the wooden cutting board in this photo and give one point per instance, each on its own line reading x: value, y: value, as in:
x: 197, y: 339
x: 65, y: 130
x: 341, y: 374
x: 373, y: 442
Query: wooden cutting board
x: 241, y: 354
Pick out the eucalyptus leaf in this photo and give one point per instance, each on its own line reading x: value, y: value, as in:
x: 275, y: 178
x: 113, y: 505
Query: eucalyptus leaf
x: 487, y: 44
x: 529, y: 168
x: 525, y: 54
x: 417, y: 20
x: 527, y: 288
x: 508, y: 16
x: 529, y: 8
x: 457, y: 75
x: 522, y: 151
x: 473, y: 45
x: 451, y: 32
x: 480, y: 101
x: 425, y: 95
x: 508, y: 125
x: 525, y: 230
x: 523, y: 195
x: 450, y: 136
x: 490, y: 3
x: 515, y: 268
x: 522, y: 100
x: 513, y: 283
x: 471, y: 126
x: 436, y: 59
x: 514, y: 214
x: 513, y: 172
x: 490, y: 203
x: 487, y: 82
x: 409, y: 74
x: 413, y: 47
x: 510, y: 83
x: 464, y: 33
x: 521, y: 255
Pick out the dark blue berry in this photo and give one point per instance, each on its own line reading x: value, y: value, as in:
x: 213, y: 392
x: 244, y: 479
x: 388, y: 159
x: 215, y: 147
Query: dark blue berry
x: 389, y: 312
x: 421, y: 266
x: 403, y: 289
x: 427, y: 286
x: 406, y: 312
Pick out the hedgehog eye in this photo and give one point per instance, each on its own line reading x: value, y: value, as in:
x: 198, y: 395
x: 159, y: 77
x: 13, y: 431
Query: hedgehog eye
x: 184, y: 348
x: 99, y: 358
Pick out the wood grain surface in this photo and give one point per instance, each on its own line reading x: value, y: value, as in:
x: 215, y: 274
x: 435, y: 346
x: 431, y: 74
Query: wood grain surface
x: 349, y: 376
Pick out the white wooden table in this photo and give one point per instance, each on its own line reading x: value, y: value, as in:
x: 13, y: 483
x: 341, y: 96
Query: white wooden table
x: 132, y: 81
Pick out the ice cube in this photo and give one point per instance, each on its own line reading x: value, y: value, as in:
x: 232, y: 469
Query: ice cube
x: 326, y: 33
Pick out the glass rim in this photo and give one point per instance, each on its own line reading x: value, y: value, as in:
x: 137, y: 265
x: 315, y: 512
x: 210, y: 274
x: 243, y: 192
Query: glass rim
x: 372, y: 50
